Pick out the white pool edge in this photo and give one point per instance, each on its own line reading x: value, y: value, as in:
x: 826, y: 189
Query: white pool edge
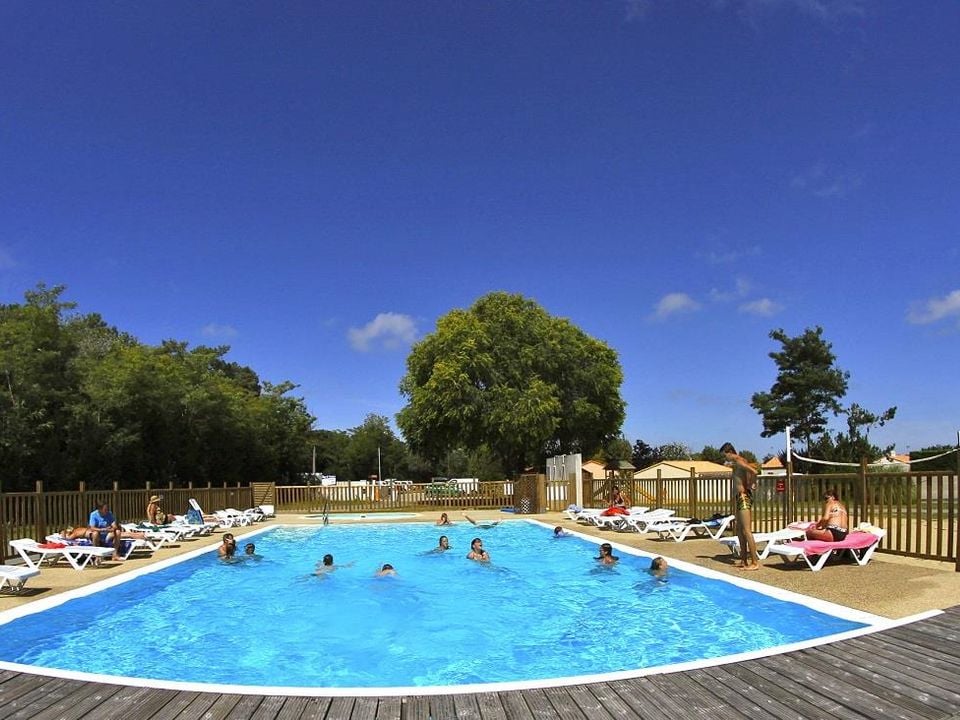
x: 873, y: 623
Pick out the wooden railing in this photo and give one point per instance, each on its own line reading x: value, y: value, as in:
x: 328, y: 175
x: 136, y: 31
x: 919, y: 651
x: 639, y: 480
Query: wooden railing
x: 919, y: 510
x: 40, y: 513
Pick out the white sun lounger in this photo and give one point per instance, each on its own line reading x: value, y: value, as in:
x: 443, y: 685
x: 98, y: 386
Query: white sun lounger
x: 860, y: 544
x: 78, y: 556
x: 680, y: 531
x: 766, y: 539
x: 15, y: 577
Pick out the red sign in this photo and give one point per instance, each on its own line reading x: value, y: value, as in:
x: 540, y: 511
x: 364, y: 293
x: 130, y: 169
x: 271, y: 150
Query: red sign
x: 781, y: 485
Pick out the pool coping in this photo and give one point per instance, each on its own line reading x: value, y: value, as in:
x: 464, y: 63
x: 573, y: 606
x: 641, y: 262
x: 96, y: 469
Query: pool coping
x: 872, y: 624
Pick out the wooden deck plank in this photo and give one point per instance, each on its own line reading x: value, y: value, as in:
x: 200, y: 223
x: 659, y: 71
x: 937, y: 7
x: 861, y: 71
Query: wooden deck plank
x: 340, y: 708
x: 244, y: 708
x: 913, y: 671
x: 415, y: 707
x: 803, y: 702
x: 864, y: 703
x: 79, y: 702
x: 640, y: 695
x: 490, y: 706
x: 515, y: 707
x: 388, y: 708
x: 567, y: 704
x: 314, y: 708
x: 467, y: 707
x: 907, y: 672
x: 269, y: 708
x: 867, y: 678
x: 745, y: 696
x: 23, y: 684
x: 364, y: 708
x: 219, y: 709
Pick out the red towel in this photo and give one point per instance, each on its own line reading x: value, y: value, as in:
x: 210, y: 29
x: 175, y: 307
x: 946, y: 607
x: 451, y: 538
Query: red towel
x: 51, y: 545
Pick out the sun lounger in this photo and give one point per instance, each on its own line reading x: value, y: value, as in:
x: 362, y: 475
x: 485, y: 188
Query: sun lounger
x: 764, y: 539
x: 860, y: 544
x: 640, y: 522
x: 78, y: 556
x: 680, y: 531
x: 14, y: 577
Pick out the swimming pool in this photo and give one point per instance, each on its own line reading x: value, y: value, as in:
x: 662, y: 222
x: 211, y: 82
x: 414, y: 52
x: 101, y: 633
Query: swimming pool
x: 365, y: 516
x: 541, y: 610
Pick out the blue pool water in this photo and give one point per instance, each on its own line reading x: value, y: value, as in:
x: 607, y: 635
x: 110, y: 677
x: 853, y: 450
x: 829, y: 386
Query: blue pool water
x: 542, y: 609
x: 365, y: 516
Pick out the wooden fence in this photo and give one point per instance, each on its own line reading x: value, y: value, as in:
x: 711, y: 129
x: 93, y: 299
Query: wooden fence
x: 40, y: 513
x: 919, y: 510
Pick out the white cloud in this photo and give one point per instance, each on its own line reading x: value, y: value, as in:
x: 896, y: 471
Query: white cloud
x: 934, y: 309
x: 674, y: 304
x: 821, y: 181
x: 740, y: 289
x: 214, y: 330
x: 763, y: 307
x: 389, y: 330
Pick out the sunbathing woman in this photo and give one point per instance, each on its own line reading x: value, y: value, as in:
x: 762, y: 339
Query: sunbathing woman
x: 834, y: 521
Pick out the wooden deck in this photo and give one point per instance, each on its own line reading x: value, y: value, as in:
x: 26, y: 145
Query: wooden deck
x: 910, y: 672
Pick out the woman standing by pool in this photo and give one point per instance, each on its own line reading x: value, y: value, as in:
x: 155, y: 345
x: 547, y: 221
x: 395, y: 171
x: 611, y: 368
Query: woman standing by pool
x: 744, y: 481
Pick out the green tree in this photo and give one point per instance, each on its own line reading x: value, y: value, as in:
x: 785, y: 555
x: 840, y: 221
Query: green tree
x: 507, y: 376
x: 643, y: 455
x: 808, y: 386
x: 673, y: 451
x: 711, y: 454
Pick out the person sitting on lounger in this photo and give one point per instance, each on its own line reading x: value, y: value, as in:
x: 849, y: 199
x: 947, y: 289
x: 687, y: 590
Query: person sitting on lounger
x: 606, y: 556
x: 156, y: 514
x: 477, y: 552
x: 103, y: 529
x: 485, y: 524
x: 834, y: 521
x: 617, y: 499
x: 444, y: 520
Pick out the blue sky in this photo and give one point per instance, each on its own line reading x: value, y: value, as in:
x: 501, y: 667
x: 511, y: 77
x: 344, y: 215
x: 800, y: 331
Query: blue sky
x: 315, y: 183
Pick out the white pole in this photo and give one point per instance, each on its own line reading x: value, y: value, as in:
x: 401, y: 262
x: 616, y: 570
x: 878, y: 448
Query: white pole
x: 789, y: 445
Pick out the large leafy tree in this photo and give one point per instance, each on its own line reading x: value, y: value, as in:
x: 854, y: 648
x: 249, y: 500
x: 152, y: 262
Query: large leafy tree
x: 507, y: 376
x: 807, y: 388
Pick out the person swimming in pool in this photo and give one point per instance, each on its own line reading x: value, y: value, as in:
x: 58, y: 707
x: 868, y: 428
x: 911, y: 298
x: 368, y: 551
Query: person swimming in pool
x: 658, y: 568
x: 559, y: 532
x: 327, y: 566
x: 477, y: 552
x: 444, y: 520
x: 606, y: 556
x: 443, y: 544
x: 483, y: 524
x: 386, y: 570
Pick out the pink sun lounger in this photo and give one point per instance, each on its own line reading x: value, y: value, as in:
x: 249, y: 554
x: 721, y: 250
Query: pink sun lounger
x: 860, y: 544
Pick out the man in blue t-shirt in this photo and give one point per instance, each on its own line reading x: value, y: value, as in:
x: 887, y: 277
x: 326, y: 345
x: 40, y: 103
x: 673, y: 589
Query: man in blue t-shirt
x: 104, y: 529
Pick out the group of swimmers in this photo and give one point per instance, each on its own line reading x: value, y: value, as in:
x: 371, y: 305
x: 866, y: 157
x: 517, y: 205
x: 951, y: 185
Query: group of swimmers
x: 228, y: 547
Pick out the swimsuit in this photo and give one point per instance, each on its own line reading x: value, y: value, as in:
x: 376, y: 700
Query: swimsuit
x: 838, y: 533
x: 744, y: 502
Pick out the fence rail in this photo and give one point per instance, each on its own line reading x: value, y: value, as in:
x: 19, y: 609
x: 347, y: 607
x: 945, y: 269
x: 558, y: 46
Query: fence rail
x: 40, y: 513
x: 919, y: 510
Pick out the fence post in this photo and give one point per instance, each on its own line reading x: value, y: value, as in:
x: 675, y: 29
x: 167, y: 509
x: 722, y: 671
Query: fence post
x: 862, y: 501
x: 41, y: 511
x: 659, y: 491
x: 3, y: 524
x: 954, y: 483
x: 693, y: 499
